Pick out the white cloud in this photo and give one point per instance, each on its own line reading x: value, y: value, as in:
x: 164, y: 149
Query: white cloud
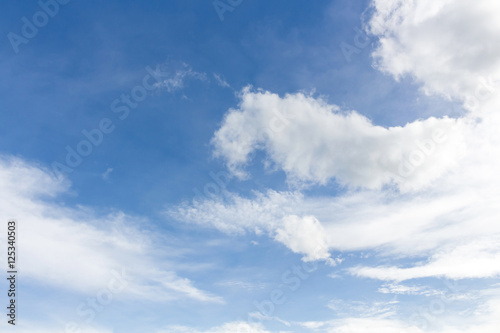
x: 245, y: 285
x: 233, y: 327
x: 106, y: 173
x: 220, y: 81
x: 476, y: 259
x: 363, y: 325
x: 400, y: 289
x: 303, y: 235
x: 174, y: 76
x: 313, y: 142
x: 450, y: 47
x: 312, y: 240
x: 363, y: 309
x: 76, y: 250
x: 434, y: 317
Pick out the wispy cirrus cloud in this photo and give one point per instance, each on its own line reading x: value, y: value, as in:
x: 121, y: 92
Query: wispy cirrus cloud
x: 175, y: 76
x: 233, y: 327
x: 54, y: 237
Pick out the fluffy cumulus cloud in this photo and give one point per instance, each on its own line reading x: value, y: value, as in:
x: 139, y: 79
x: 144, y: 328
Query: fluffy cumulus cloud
x: 55, y: 237
x: 451, y: 47
x: 314, y: 142
x: 312, y: 241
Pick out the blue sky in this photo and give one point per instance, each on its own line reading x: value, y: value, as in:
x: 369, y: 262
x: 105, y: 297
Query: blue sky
x: 262, y: 179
